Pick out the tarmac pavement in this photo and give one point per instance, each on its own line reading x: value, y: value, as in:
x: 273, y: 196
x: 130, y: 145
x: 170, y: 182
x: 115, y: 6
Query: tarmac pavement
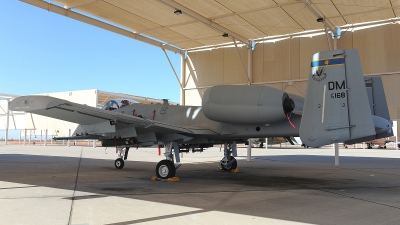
x: 80, y: 185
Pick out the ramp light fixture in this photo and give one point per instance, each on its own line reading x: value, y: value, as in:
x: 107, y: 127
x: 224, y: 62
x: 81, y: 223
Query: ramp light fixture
x: 178, y: 12
x: 225, y: 35
x: 320, y: 20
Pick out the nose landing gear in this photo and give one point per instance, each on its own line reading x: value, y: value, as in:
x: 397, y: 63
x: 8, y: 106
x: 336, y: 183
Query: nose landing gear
x: 122, y: 155
x: 229, y: 163
x: 119, y: 163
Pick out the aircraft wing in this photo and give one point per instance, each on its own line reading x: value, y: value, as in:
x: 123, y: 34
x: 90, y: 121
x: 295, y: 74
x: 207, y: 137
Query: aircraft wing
x: 87, y: 115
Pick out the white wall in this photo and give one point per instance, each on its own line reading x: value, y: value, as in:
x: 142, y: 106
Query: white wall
x: 37, y: 123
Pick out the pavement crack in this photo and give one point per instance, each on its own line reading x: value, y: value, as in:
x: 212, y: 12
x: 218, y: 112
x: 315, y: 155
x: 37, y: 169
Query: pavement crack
x: 360, y: 199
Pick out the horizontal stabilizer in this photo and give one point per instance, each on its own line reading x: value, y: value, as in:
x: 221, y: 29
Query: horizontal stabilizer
x: 379, y: 110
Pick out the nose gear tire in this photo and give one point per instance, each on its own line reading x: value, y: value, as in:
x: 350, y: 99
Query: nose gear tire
x: 119, y: 163
x: 228, y: 167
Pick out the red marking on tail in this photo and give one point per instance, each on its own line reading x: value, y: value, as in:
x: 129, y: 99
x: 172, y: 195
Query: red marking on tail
x: 159, y: 150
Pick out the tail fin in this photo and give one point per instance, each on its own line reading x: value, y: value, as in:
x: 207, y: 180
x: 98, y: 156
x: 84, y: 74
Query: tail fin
x: 336, y: 108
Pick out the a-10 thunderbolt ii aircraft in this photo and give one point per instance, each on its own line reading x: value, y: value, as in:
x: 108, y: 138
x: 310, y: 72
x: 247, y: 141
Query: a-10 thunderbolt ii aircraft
x: 336, y: 109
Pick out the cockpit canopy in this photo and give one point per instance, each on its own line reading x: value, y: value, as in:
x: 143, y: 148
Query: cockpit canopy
x: 117, y: 103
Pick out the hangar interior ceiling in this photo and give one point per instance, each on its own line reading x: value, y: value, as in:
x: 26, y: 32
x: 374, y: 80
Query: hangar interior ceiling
x: 188, y: 24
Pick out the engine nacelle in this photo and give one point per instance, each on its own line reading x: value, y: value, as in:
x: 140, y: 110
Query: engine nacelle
x: 246, y: 104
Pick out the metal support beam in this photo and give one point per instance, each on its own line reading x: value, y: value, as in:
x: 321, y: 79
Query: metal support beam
x: 183, y: 78
x: 336, y: 154
x: 335, y: 42
x: 336, y: 144
x: 71, y: 14
x: 173, y: 69
x: 249, y: 150
x: 24, y: 136
x: 394, y: 127
x: 69, y: 135
x: 204, y: 20
x: 250, y: 63
x: 7, y: 122
x: 241, y: 59
x: 94, y: 144
x: 328, y: 39
x: 45, y: 137
x: 81, y: 4
x: 319, y: 14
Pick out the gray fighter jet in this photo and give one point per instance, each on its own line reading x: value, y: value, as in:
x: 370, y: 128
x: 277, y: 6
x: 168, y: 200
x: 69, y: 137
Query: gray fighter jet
x: 336, y: 109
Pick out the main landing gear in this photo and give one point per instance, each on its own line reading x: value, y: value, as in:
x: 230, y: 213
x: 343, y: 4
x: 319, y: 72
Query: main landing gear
x: 122, y: 155
x: 166, y: 168
x: 229, y: 163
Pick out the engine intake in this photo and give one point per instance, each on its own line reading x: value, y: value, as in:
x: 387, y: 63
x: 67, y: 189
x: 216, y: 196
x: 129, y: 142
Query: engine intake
x: 246, y: 104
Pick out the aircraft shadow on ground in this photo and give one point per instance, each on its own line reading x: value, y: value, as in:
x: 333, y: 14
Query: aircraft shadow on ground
x: 259, y: 189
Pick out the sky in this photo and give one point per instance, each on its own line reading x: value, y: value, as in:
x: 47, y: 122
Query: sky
x: 43, y: 52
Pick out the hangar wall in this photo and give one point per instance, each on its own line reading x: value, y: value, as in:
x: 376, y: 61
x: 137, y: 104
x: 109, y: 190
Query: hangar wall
x: 285, y: 64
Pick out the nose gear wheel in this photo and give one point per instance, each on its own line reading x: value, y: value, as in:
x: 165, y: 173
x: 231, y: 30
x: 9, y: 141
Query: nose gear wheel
x: 228, y: 166
x: 119, y: 163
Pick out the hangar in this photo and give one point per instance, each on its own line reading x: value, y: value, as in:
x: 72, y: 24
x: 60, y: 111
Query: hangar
x: 252, y: 42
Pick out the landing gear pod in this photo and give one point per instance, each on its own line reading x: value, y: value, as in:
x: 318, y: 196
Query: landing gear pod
x: 246, y: 104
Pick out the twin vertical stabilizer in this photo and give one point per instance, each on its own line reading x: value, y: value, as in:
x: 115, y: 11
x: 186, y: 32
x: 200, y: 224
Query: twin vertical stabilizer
x: 336, y: 107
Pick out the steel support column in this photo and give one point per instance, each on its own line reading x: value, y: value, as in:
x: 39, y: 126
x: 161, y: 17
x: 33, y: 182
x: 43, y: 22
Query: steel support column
x: 45, y: 137
x: 24, y: 136
x: 250, y: 63
x: 336, y: 144
x: 249, y: 150
x: 7, y: 123
x: 69, y: 135
x: 336, y: 153
x: 183, y: 79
